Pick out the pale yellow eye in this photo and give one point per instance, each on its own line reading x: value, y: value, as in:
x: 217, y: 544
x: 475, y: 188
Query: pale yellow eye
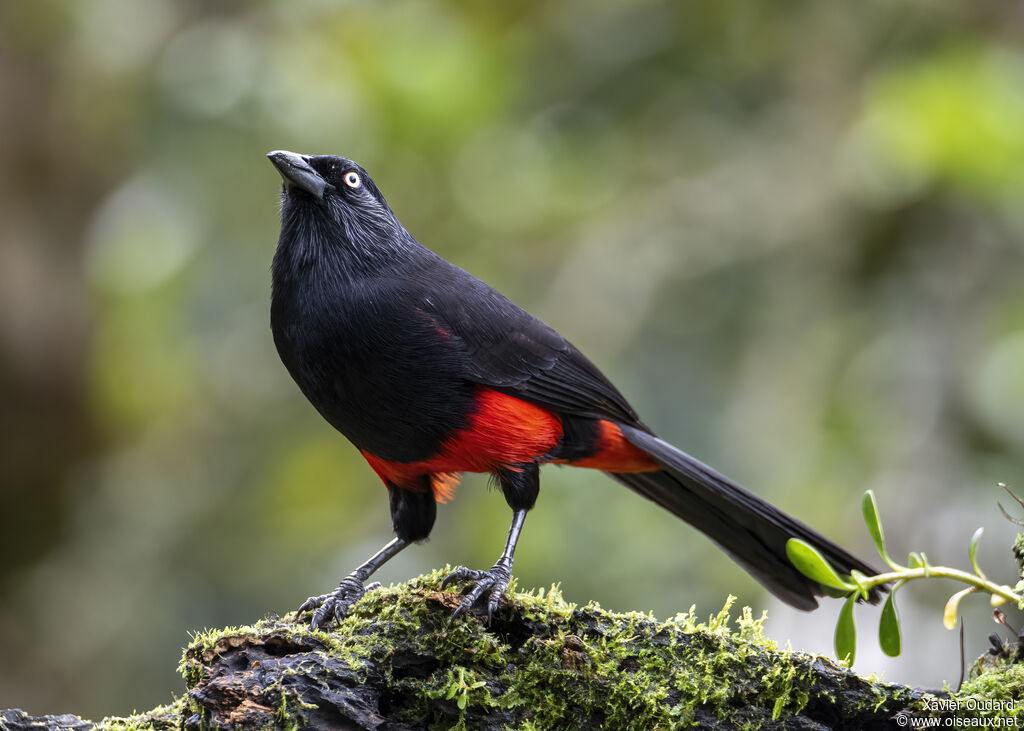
x: 352, y: 179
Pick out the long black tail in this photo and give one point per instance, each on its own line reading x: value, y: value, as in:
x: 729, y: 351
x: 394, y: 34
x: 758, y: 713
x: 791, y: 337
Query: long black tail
x: 752, y: 531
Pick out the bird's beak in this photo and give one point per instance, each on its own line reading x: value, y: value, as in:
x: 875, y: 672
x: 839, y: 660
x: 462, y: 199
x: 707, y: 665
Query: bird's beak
x: 296, y: 171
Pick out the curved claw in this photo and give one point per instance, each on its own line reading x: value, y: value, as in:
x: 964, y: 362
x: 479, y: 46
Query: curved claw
x: 493, y: 582
x: 335, y: 604
x: 310, y: 604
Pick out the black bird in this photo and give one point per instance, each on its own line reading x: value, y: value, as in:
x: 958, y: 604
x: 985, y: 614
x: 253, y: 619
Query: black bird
x: 430, y: 372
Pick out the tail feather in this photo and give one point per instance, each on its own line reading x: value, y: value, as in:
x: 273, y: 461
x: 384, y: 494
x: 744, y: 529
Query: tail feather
x: 750, y: 530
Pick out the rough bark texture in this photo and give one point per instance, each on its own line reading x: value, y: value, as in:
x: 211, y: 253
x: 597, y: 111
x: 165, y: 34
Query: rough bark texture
x: 400, y: 662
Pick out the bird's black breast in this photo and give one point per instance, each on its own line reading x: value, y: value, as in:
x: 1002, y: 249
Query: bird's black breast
x: 378, y: 367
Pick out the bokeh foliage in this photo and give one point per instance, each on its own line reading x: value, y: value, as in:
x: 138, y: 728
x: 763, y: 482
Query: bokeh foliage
x: 790, y: 233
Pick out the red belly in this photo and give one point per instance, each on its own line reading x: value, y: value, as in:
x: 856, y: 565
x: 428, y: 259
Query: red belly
x: 504, y: 431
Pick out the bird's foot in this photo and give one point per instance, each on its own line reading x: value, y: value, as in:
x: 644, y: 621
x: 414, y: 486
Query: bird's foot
x: 335, y: 604
x: 493, y: 582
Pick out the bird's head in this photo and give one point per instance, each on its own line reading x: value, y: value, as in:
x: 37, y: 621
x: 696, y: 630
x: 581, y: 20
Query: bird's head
x: 331, y: 202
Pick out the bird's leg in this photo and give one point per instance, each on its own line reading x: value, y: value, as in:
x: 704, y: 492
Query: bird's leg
x: 412, y: 516
x: 350, y: 589
x: 496, y: 580
x: 520, y: 486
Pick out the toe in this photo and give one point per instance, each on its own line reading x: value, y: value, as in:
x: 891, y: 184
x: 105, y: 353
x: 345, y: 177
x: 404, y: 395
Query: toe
x: 492, y: 603
x: 463, y: 574
x: 466, y: 605
x: 482, y: 586
x: 339, y: 610
x: 458, y: 574
x: 321, y: 614
x: 478, y: 591
x: 493, y: 582
x: 310, y: 604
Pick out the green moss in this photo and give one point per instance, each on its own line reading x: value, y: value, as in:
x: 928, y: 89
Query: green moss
x: 1018, y: 553
x: 160, y: 718
x: 545, y: 662
x: 996, y: 692
x: 541, y: 663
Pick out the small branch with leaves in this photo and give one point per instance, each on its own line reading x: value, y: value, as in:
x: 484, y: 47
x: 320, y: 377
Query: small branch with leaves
x: 856, y: 586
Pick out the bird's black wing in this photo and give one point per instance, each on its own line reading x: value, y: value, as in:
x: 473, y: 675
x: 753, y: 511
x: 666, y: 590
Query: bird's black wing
x: 512, y: 351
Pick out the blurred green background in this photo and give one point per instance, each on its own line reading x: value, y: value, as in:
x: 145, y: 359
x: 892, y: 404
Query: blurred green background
x: 790, y: 232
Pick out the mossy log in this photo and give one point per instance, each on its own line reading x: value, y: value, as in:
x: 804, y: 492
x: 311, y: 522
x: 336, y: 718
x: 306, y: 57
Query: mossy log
x: 400, y: 661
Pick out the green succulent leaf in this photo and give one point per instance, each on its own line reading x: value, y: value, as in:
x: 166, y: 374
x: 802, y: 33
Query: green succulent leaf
x: 915, y: 560
x: 813, y: 565
x: 869, y: 508
x: 972, y: 551
x: 846, y: 632
x: 889, y: 637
